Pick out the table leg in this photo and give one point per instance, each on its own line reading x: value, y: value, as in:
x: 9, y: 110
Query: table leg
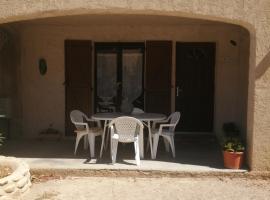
x: 150, y: 138
x: 103, y: 138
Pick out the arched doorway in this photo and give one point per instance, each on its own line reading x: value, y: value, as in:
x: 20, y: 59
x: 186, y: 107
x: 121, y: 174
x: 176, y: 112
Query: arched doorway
x: 45, y: 38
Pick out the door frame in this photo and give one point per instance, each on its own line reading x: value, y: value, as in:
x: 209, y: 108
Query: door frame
x: 215, y: 43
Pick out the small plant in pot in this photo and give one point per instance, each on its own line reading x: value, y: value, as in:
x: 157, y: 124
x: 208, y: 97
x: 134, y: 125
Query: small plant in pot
x: 233, y: 146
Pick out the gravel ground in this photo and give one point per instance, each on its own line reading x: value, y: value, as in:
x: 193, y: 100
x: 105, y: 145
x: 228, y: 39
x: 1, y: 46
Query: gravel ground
x: 99, y: 188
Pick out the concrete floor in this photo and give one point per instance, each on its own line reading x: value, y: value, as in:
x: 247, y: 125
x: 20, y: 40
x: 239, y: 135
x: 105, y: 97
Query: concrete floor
x: 193, y: 154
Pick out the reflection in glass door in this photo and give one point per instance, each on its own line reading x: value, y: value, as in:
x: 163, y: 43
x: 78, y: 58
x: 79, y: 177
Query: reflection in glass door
x: 119, y: 76
x: 132, y: 75
x: 106, y: 81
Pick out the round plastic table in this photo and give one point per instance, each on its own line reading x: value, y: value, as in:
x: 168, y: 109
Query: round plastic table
x: 146, y: 118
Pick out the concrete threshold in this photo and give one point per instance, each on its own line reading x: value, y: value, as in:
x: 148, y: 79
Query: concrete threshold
x: 63, y: 173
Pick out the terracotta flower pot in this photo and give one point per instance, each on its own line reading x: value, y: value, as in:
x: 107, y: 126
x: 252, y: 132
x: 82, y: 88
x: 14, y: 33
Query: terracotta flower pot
x: 233, y: 160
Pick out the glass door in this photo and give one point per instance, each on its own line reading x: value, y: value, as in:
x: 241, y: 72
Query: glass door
x: 106, y: 76
x: 119, y: 76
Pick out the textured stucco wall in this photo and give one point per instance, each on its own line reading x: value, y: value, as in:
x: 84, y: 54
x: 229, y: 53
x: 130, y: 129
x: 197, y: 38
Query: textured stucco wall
x: 252, y: 14
x: 47, y: 92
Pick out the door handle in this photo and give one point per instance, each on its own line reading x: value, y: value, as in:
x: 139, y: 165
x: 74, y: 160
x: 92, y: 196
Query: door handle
x: 178, y: 89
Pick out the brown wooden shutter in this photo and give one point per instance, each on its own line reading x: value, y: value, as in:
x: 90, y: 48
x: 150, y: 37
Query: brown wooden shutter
x: 158, y: 76
x: 78, y: 61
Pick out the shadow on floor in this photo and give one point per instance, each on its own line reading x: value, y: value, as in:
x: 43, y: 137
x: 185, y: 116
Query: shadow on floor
x: 200, y: 150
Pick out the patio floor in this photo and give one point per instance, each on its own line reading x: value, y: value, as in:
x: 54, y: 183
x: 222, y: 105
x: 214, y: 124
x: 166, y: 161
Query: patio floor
x: 193, y: 154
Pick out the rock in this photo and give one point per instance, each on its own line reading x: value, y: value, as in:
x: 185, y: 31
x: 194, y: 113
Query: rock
x: 16, y: 177
x: 3, y: 181
x: 10, y: 188
x: 5, y: 198
x: 24, y: 189
x: 2, y: 193
x: 18, y: 182
x: 22, y: 182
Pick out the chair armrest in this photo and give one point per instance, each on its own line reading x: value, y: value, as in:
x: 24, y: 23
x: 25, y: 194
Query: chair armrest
x: 81, y: 124
x: 89, y: 119
x: 165, y: 126
x: 93, y: 120
x: 160, y: 122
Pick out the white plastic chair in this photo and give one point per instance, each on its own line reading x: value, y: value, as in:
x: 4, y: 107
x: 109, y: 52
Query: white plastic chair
x: 125, y: 130
x: 167, y: 132
x: 137, y: 111
x: 82, y: 129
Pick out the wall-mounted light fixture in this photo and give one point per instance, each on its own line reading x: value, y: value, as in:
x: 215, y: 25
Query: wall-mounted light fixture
x: 233, y: 42
x: 42, y: 66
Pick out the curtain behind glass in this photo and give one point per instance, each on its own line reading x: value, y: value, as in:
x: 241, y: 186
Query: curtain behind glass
x: 132, y: 74
x: 106, y: 75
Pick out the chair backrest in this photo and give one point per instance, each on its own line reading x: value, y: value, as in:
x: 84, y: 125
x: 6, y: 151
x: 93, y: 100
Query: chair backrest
x: 137, y: 111
x: 77, y: 116
x: 174, y: 119
x: 127, y: 128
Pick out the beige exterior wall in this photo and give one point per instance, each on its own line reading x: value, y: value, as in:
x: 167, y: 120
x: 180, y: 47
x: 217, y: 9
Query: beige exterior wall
x: 44, y: 96
x: 252, y: 14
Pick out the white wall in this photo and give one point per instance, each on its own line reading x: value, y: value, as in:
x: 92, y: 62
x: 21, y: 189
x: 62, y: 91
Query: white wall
x: 43, y: 97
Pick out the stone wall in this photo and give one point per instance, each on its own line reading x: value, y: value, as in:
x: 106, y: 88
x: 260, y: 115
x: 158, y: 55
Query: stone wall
x: 12, y: 186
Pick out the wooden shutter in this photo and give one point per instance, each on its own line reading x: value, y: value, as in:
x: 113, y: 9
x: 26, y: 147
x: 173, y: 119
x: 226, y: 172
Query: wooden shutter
x: 78, y: 61
x: 158, y: 76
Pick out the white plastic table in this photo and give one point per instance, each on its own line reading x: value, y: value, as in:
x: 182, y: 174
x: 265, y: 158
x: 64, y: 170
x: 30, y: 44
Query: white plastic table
x: 146, y: 118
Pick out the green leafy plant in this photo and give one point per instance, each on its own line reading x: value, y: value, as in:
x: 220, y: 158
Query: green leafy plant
x: 232, y: 140
x: 234, y: 145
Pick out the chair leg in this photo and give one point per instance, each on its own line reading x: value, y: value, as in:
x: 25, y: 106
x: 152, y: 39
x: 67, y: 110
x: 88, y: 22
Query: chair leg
x: 103, y: 139
x: 78, y: 138
x: 155, y: 145
x: 114, y: 146
x: 148, y: 144
x: 171, y: 140
x: 166, y: 143
x: 91, y: 139
x: 102, y: 144
x: 137, y: 152
x: 107, y: 138
x: 85, y: 142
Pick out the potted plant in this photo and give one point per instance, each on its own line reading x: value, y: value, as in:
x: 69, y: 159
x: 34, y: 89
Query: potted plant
x: 233, y: 146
